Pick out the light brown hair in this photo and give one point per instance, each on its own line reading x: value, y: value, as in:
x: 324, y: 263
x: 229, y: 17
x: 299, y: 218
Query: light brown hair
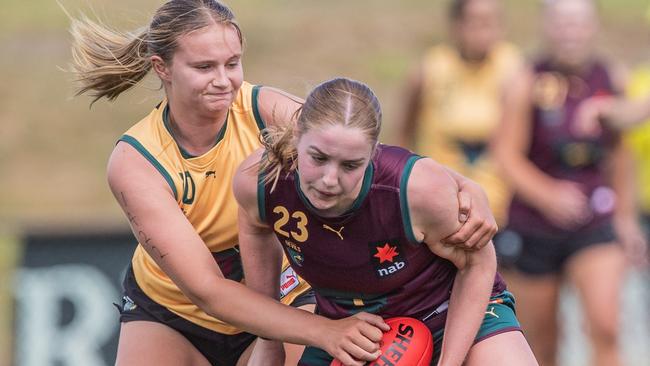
x: 339, y: 101
x: 107, y: 62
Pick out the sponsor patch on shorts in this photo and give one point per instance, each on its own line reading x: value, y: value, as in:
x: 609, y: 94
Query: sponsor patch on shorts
x: 288, y: 281
x: 128, y: 304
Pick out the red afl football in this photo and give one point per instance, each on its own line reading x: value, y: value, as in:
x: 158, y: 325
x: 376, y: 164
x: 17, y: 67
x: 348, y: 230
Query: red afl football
x: 407, y: 343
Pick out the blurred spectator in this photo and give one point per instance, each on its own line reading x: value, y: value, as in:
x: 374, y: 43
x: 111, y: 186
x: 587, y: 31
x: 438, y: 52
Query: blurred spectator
x: 573, y: 215
x: 453, y: 101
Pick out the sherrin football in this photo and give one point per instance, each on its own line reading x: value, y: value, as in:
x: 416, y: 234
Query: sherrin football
x: 407, y: 343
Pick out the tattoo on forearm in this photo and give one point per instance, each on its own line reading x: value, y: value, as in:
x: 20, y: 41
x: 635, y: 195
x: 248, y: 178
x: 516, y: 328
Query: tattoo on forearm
x: 129, y: 215
x: 144, y: 239
x: 131, y: 218
x: 157, y: 251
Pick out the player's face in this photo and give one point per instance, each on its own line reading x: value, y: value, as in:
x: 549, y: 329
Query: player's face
x: 206, y: 71
x: 331, y: 165
x: 570, y: 28
x: 479, y: 28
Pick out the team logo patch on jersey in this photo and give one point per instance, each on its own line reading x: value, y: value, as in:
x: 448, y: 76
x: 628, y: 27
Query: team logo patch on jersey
x: 386, y: 257
x: 288, y: 281
x: 296, y: 257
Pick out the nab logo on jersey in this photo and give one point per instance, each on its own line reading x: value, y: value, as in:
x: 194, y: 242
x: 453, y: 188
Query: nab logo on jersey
x: 386, y: 258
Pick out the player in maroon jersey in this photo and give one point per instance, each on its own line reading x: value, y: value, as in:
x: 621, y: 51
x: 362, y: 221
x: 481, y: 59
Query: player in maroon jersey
x: 363, y: 223
x: 572, y: 208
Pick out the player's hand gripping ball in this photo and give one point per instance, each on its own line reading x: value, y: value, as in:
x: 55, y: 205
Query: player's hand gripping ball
x: 407, y: 343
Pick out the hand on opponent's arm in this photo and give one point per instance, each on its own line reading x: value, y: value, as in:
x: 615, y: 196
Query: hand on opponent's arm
x: 434, y: 210
x: 478, y: 223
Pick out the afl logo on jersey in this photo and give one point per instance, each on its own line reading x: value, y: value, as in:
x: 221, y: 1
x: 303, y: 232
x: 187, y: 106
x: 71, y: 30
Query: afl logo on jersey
x: 386, y: 258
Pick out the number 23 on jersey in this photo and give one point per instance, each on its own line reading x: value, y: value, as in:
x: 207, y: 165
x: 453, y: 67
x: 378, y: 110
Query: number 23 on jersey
x: 297, y: 217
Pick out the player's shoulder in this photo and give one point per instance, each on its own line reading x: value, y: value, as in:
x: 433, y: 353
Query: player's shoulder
x: 432, y: 192
x: 245, y: 180
x: 276, y: 106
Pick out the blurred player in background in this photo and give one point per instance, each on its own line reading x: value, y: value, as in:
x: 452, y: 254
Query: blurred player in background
x: 573, y: 215
x: 453, y: 104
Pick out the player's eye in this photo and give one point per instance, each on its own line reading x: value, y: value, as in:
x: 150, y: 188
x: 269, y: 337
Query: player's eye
x: 319, y: 158
x: 350, y: 166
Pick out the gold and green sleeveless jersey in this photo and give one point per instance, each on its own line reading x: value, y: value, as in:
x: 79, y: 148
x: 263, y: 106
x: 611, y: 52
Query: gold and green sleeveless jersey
x: 460, y: 110
x: 639, y: 137
x: 202, y: 186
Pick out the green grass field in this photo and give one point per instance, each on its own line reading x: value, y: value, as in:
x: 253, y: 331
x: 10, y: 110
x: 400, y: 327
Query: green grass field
x: 53, y: 148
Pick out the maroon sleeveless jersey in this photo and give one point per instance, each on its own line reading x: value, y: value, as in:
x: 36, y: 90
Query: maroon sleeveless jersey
x: 367, y: 259
x: 555, y: 148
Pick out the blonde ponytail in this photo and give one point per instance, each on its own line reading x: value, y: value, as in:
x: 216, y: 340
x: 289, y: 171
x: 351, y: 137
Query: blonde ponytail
x: 105, y: 61
x: 280, y: 155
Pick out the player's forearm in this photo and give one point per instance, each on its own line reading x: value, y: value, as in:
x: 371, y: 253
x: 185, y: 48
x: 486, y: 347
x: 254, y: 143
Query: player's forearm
x: 462, y: 181
x: 467, y: 185
x: 469, y: 299
x: 624, y: 113
x: 529, y: 183
x: 256, y: 313
x: 623, y: 178
x: 262, y: 262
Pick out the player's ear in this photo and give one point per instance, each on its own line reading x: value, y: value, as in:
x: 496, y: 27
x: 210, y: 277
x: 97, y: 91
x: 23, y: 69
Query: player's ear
x: 160, y: 67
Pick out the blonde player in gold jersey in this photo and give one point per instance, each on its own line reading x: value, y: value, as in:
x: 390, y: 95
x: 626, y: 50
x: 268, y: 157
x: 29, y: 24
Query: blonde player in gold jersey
x: 453, y: 98
x: 172, y: 175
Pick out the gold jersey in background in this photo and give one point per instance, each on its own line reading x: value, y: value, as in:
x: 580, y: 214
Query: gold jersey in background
x: 639, y: 137
x: 202, y: 186
x: 460, y: 110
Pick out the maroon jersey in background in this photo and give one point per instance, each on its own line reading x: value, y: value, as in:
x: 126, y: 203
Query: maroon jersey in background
x: 556, y: 150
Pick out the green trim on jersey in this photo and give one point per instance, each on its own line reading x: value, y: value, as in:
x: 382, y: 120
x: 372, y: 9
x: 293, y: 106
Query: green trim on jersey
x: 256, y: 112
x: 365, y: 187
x: 403, y: 199
x: 185, y: 154
x: 142, y: 150
x: 363, y: 193
x: 371, y: 303
x: 222, y: 131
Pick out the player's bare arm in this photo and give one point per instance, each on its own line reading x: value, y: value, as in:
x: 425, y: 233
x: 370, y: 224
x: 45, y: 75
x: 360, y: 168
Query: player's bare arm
x: 434, y: 208
x: 277, y: 107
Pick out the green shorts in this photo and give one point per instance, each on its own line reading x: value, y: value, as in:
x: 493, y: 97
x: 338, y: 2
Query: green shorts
x: 499, y: 318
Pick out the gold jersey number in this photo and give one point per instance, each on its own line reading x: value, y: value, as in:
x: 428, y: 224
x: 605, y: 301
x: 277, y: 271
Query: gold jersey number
x: 301, y: 224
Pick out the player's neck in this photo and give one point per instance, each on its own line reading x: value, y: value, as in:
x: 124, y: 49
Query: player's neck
x: 194, y: 132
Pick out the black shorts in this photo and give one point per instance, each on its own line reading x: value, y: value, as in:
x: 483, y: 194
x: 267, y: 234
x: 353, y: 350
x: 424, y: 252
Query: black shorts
x: 219, y: 349
x: 540, y: 255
